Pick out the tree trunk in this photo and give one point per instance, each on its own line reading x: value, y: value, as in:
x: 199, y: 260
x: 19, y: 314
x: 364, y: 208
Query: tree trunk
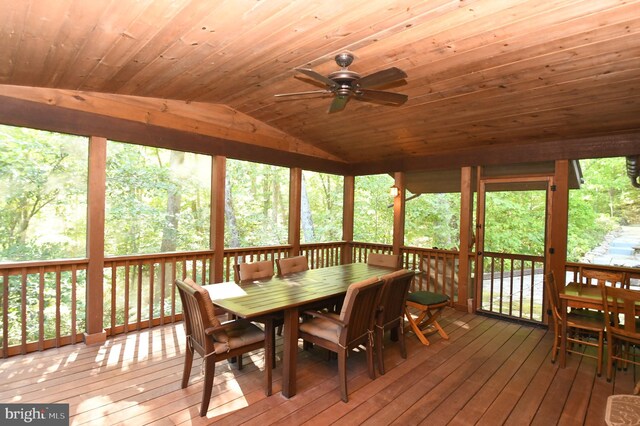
x: 170, y: 231
x: 230, y: 216
x: 306, y: 221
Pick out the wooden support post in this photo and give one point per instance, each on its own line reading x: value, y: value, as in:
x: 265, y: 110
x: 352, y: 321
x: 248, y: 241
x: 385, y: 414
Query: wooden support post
x: 218, y: 174
x: 347, y: 218
x: 557, y: 230
x: 295, y: 197
x: 95, y: 240
x: 398, y: 213
x: 465, y: 284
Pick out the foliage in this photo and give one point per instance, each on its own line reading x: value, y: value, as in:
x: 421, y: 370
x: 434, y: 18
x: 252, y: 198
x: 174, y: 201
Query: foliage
x: 257, y: 204
x: 140, y: 181
x: 433, y: 220
x: 43, y: 181
x: 322, y: 211
x: 373, y: 216
x: 515, y: 222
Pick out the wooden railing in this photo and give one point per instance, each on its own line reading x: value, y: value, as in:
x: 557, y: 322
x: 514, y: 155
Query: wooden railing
x: 437, y: 269
x: 139, y: 291
x: 512, y: 285
x: 43, y: 305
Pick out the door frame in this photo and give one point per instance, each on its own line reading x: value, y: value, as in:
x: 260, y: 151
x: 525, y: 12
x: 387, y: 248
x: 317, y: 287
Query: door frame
x: 482, y: 182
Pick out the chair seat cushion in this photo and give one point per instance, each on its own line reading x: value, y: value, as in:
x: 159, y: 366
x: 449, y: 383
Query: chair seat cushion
x: 322, y: 328
x: 427, y: 298
x: 242, y: 333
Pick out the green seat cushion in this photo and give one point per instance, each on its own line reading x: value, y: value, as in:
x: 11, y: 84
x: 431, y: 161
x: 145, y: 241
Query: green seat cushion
x: 427, y: 298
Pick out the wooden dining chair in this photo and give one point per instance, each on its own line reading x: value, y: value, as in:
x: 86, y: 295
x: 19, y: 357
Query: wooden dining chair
x: 579, y: 327
x: 252, y: 271
x: 247, y: 272
x: 384, y: 260
x: 354, y: 325
x: 391, y: 312
x: 593, y: 277
x: 215, y: 341
x: 623, y: 326
x: 290, y: 265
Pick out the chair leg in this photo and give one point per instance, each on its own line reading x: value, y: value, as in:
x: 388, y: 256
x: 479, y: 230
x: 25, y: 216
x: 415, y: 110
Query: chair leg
x: 239, y: 361
x: 370, y: 361
x: 414, y: 326
x: 342, y: 373
x: 610, y: 344
x: 600, y: 348
x: 209, y: 373
x: 188, y: 362
x: 403, y: 345
x: 378, y: 349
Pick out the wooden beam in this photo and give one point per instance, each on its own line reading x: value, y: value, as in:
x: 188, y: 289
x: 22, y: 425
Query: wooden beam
x: 467, y: 241
x: 23, y: 113
x: 569, y: 149
x: 347, y: 217
x: 557, y: 228
x: 295, y: 197
x: 399, y: 203
x: 95, y: 240
x: 218, y: 174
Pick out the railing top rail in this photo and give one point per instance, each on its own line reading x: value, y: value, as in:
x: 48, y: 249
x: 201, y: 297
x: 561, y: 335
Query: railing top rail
x: 430, y: 250
x: 42, y: 263
x: 514, y: 256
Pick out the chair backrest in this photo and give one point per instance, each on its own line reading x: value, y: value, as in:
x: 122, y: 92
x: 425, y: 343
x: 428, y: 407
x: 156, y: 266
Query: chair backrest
x: 289, y: 265
x: 593, y: 277
x: 199, y: 314
x: 359, y: 309
x: 551, y: 289
x: 394, y: 295
x: 385, y: 260
x: 620, y: 317
x: 255, y: 270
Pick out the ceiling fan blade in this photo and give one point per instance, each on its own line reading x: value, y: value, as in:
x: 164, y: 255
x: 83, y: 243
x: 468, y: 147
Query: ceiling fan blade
x: 381, y: 96
x: 309, y: 92
x: 382, y: 77
x: 311, y: 73
x: 338, y: 104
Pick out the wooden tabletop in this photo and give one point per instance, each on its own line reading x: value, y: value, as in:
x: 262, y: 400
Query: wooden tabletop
x: 279, y: 293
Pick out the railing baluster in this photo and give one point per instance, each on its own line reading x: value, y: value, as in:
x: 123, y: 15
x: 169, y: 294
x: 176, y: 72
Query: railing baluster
x: 5, y: 314
x: 126, y: 296
x: 23, y: 312
x: 41, y: 312
x: 58, y: 297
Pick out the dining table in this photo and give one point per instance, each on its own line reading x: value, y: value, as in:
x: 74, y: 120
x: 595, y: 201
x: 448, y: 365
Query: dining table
x: 290, y: 295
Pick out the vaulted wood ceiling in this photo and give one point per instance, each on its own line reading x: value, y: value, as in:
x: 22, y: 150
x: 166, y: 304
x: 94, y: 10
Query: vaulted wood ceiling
x: 488, y: 80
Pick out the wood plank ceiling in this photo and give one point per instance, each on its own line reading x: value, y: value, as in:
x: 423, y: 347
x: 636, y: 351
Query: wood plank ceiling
x: 491, y: 76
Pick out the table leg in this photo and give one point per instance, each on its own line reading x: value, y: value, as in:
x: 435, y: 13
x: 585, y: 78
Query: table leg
x: 268, y: 353
x: 563, y: 333
x: 290, y: 354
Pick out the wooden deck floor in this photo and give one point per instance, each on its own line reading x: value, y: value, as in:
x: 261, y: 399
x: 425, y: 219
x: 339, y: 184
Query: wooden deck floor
x: 490, y: 372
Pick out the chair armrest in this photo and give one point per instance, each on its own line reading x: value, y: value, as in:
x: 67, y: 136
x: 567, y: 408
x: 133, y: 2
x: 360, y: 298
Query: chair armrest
x: 327, y: 317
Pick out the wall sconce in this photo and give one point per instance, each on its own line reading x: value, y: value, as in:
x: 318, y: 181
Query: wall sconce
x: 394, y: 191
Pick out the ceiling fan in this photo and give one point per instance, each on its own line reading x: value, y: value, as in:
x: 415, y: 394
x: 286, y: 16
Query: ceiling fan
x: 346, y: 84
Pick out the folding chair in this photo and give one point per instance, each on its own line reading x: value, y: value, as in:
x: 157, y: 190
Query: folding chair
x: 429, y: 306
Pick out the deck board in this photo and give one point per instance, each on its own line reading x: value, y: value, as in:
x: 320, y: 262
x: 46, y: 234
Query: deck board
x: 490, y: 372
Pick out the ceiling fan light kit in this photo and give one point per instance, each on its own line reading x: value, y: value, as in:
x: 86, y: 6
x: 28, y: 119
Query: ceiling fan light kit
x: 345, y: 84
